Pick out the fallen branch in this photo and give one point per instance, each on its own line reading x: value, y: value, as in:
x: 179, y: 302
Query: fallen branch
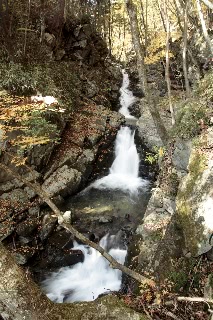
x: 44, y: 196
x: 195, y: 299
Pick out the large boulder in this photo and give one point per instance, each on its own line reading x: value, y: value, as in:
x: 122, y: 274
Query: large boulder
x: 64, y: 181
x: 195, y: 203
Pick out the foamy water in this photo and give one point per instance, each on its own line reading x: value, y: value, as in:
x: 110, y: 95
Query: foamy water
x: 87, y: 280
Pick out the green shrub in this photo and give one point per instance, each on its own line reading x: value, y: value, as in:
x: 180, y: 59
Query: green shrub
x: 54, y: 79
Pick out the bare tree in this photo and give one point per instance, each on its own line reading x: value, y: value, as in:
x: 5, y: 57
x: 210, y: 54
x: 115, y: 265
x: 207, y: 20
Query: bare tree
x: 203, y: 24
x: 208, y: 4
x: 192, y: 56
x: 168, y: 63
x: 139, y: 50
x: 185, y: 50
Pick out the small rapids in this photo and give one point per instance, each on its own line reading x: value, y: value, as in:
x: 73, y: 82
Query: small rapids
x: 86, y: 281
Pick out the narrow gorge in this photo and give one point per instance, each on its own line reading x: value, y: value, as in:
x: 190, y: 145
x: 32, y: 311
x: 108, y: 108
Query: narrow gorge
x: 106, y: 139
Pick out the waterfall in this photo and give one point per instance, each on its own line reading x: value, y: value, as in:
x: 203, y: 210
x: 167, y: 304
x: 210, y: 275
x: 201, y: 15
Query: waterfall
x: 126, y: 96
x: 124, y: 172
x: 86, y: 281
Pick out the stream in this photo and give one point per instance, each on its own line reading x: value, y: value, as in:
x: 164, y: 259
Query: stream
x: 120, y: 196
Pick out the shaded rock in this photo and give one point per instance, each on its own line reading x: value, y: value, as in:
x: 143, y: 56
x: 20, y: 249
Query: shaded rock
x: 34, y: 211
x: 81, y: 44
x: 6, y: 229
x: 91, y: 89
x: 6, y: 187
x: 169, y: 205
x: 59, y: 54
x: 26, y: 227
x: 24, y: 240
x: 64, y: 181
x: 30, y: 193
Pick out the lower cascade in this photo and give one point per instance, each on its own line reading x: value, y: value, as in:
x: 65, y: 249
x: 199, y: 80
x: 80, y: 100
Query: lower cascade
x: 86, y: 281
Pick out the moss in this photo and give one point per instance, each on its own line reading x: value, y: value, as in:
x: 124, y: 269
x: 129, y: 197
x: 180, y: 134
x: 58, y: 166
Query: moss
x: 188, y: 119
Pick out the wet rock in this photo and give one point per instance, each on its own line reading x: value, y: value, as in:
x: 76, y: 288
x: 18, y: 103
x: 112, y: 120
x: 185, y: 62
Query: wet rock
x: 64, y: 181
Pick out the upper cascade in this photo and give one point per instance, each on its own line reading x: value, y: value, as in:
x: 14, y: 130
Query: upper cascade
x: 124, y: 172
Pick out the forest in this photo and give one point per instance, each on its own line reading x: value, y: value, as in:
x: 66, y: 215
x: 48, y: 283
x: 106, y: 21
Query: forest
x: 106, y: 159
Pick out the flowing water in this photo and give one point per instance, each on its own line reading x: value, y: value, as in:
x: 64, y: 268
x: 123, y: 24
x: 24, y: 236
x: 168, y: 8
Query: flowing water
x: 122, y: 192
x: 86, y: 281
x: 126, y: 97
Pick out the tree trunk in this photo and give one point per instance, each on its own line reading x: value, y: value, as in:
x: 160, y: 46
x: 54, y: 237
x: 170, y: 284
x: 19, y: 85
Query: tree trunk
x: 205, y: 32
x: 208, y: 4
x: 167, y: 64
x: 139, y: 50
x: 185, y: 50
x: 193, y: 59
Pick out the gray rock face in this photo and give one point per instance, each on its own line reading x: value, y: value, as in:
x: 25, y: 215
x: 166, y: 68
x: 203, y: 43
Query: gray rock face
x: 180, y: 225
x: 180, y: 158
x: 147, y: 129
x: 195, y: 204
x: 17, y: 195
x: 64, y: 181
